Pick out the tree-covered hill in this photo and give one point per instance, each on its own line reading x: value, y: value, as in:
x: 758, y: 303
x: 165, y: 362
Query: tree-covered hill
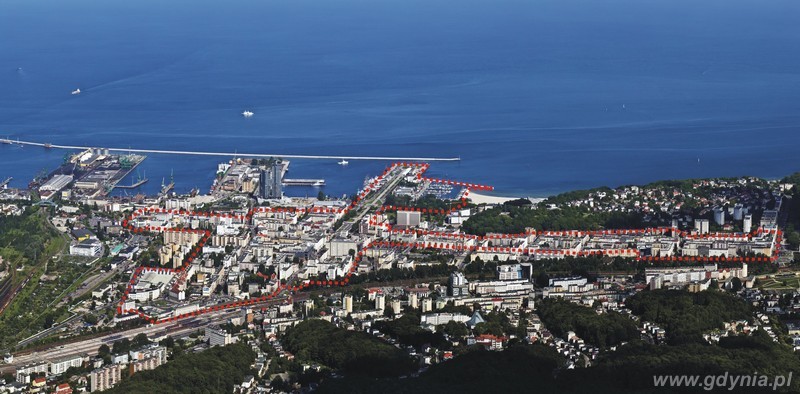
x: 511, y: 219
x: 215, y: 370
x: 520, y: 369
x: 601, y: 330
x: 685, y: 316
x: 353, y: 352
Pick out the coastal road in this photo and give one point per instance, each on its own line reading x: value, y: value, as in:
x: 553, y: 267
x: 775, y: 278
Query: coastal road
x: 392, y: 179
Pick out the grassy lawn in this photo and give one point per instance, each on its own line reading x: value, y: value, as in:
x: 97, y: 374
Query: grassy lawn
x: 780, y: 282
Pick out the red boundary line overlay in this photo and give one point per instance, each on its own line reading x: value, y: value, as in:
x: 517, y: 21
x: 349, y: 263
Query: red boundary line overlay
x: 374, y: 221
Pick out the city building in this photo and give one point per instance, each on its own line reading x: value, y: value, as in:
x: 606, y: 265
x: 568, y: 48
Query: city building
x: 769, y: 218
x: 457, y: 285
x: 413, y: 300
x: 408, y: 218
x: 87, y: 248
x: 217, y: 336
x: 61, y: 365
x: 679, y: 276
x: 567, y: 282
x: 147, y: 358
x: 105, y: 378
x: 380, y: 302
x: 270, y: 181
x: 27, y: 370
x: 719, y: 216
x: 347, y: 303
x: 701, y: 226
x: 490, y: 342
x: 738, y: 211
x: 82, y: 234
x: 438, y: 319
x: 396, y: 306
x: 747, y: 223
x: 427, y: 305
x: 509, y: 272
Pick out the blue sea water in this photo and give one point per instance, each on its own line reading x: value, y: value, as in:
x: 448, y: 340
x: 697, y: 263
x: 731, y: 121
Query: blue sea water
x: 535, y: 96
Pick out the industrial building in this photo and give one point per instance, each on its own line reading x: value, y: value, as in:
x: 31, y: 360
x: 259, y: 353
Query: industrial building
x: 87, y: 248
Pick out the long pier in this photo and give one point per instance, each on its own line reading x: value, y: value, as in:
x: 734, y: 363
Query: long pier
x: 243, y: 154
x: 133, y: 186
x: 303, y: 182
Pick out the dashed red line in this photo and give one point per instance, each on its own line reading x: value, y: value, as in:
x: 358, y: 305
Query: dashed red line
x: 373, y: 221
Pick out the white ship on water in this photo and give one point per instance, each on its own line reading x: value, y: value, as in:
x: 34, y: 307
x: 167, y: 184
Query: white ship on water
x: 247, y: 114
x: 76, y: 91
x: 343, y: 162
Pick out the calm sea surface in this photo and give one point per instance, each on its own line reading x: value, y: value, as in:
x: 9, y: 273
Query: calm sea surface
x: 536, y: 97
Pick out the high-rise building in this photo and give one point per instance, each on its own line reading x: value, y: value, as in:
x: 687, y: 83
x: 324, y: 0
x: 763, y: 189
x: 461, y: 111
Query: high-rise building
x: 105, y: 378
x: 347, y: 303
x: 147, y: 358
x: 719, y: 216
x: 738, y: 211
x: 747, y: 224
x: 701, y: 226
x: 427, y: 305
x: 413, y: 301
x: 270, y: 181
x: 380, y: 302
x: 457, y: 285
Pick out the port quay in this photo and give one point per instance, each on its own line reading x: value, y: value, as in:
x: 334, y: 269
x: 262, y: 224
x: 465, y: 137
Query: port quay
x: 202, y: 153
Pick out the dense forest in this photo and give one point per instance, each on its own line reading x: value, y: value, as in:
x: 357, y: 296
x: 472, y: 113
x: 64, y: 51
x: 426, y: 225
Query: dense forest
x: 685, y: 316
x: 539, y: 369
x: 408, y: 332
x: 510, y: 218
x: 633, y: 366
x: 215, y: 370
x: 520, y: 369
x: 601, y: 330
x: 353, y: 352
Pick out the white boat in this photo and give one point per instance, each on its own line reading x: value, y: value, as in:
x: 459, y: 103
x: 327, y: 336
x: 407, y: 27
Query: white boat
x: 247, y: 114
x: 76, y: 91
x: 343, y: 162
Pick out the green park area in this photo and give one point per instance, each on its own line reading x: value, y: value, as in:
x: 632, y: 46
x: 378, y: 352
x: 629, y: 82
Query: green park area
x: 37, y: 276
x: 782, y: 282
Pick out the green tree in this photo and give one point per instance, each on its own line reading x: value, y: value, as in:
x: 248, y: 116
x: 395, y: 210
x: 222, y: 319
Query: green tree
x: 454, y: 329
